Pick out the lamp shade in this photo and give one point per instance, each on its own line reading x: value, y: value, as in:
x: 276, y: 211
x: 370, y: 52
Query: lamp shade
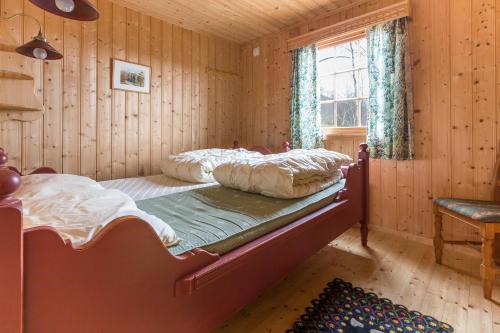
x: 81, y: 10
x: 39, y: 48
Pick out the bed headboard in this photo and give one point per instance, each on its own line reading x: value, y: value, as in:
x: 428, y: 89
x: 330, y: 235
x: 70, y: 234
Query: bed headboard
x: 264, y: 150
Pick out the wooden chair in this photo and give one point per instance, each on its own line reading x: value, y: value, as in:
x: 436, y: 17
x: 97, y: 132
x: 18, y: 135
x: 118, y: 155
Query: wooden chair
x: 482, y: 215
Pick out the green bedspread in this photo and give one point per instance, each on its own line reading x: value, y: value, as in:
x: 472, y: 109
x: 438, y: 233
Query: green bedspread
x: 219, y: 219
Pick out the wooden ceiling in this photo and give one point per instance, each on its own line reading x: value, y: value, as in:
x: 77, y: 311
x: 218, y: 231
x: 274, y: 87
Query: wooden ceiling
x: 237, y: 20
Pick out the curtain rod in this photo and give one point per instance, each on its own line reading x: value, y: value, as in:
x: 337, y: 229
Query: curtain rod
x: 388, y: 13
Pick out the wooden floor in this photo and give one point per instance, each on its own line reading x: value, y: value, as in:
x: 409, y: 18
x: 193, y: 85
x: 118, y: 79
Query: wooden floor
x: 400, y: 269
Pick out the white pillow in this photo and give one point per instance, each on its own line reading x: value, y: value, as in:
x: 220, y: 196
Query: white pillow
x: 197, y: 166
x: 295, y: 174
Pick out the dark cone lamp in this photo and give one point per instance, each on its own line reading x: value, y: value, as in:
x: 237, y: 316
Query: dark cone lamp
x: 39, y: 48
x: 81, y: 10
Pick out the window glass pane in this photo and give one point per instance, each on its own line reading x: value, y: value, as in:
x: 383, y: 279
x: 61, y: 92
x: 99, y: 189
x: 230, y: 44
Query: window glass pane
x: 363, y: 88
x: 326, y: 59
x: 327, y: 65
x: 344, y: 57
x: 327, y: 114
x: 326, y: 52
x: 347, y: 114
x: 326, y: 86
x: 361, y: 57
x: 364, y: 112
x: 346, y: 85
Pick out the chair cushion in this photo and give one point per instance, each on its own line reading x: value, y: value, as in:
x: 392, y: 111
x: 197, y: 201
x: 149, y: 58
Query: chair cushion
x: 485, y: 211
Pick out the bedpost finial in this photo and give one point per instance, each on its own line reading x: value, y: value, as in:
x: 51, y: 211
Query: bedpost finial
x: 9, y: 179
x: 236, y: 144
x: 3, y: 157
x: 363, y: 153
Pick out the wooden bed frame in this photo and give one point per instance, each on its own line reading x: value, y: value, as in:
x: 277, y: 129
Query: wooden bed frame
x: 125, y: 281
x: 285, y: 146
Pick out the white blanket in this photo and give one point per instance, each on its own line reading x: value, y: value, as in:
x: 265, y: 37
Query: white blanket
x: 142, y: 188
x: 295, y: 174
x: 197, y: 166
x: 78, y: 207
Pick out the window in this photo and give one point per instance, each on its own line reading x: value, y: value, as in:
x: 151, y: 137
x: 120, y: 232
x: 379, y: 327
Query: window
x: 343, y: 77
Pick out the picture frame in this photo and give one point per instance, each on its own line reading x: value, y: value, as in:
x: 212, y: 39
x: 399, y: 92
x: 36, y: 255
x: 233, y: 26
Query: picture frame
x: 129, y: 76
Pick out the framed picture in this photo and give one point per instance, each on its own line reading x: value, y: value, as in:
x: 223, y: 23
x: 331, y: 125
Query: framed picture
x: 129, y: 76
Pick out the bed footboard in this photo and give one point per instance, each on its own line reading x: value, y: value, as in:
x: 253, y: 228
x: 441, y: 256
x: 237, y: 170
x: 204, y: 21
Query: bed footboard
x: 11, y: 250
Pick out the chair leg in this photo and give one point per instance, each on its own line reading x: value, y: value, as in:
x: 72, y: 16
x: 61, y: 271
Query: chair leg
x: 487, y: 265
x: 364, y: 233
x: 438, y: 235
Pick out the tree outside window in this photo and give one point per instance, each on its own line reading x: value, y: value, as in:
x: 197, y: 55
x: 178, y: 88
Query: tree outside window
x: 343, y: 81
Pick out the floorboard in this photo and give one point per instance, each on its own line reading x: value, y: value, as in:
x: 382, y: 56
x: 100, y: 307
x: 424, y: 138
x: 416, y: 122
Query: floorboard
x: 393, y: 267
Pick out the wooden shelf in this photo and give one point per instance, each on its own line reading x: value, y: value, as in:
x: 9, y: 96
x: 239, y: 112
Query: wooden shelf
x: 6, y: 74
x: 17, y: 96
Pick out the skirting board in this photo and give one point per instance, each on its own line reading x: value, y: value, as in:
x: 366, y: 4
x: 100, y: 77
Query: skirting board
x: 424, y: 240
x: 428, y: 241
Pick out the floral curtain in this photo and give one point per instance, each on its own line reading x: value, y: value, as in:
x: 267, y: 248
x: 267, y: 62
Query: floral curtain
x: 305, y: 117
x: 390, y: 120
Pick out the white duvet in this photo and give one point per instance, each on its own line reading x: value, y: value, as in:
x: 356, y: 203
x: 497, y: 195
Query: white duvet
x: 78, y: 207
x: 295, y: 174
x: 197, y: 166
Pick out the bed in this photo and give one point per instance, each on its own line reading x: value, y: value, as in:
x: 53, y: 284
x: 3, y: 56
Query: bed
x: 124, y: 280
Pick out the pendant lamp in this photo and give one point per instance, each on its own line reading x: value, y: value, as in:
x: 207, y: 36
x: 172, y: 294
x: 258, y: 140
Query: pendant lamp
x: 81, y: 10
x: 38, y: 47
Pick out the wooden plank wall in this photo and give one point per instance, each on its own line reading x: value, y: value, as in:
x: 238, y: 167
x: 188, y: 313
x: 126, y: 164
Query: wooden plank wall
x: 457, y: 113
x: 91, y: 130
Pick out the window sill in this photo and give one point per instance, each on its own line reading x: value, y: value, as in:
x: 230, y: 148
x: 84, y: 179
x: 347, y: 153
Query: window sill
x: 344, y: 131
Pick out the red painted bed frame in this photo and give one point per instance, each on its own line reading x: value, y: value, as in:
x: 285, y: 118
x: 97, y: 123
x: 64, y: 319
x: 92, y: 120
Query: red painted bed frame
x: 264, y: 150
x: 125, y: 281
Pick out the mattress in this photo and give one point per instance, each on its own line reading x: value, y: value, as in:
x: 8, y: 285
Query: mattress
x: 220, y: 219
x: 141, y: 188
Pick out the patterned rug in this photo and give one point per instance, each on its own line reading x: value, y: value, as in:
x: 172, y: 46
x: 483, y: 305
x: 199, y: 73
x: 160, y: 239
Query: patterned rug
x: 341, y: 308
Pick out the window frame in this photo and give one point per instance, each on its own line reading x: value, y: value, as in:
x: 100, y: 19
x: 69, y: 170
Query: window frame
x: 351, y: 130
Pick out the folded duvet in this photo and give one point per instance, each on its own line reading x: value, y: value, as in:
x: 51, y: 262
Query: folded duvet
x: 197, y: 166
x: 78, y: 207
x: 294, y: 174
